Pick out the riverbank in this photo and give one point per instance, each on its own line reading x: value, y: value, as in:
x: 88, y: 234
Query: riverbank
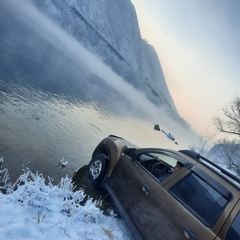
x: 81, y: 181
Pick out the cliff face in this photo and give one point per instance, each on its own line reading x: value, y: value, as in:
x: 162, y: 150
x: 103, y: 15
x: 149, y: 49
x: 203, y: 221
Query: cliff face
x: 110, y: 29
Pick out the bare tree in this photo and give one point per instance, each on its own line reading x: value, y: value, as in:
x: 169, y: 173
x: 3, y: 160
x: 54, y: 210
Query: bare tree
x: 228, y: 152
x: 203, y: 143
x: 231, y: 122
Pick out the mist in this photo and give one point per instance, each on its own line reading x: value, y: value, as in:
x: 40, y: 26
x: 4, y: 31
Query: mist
x: 67, y: 62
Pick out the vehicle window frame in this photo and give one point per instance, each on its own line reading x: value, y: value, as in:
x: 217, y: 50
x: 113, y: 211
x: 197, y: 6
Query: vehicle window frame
x: 153, y: 155
x: 182, y: 202
x: 213, y: 183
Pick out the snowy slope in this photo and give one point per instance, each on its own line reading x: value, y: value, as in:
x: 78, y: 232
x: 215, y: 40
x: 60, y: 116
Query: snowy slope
x: 110, y: 29
x: 32, y: 209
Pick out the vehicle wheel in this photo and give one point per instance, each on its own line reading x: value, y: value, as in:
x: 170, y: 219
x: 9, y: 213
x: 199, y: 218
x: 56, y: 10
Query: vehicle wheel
x: 97, y: 169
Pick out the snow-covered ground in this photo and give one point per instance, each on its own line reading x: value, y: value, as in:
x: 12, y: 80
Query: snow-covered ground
x: 32, y: 209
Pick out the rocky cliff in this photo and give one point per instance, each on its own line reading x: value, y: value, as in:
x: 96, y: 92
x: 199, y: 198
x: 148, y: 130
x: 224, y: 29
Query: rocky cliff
x: 110, y: 29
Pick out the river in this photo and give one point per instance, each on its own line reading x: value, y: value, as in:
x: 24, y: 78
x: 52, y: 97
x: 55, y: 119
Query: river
x: 58, y: 100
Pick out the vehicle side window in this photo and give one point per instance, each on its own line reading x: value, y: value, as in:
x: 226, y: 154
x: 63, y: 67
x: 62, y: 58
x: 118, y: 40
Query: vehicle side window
x: 159, y: 164
x: 199, y: 198
x: 234, y: 230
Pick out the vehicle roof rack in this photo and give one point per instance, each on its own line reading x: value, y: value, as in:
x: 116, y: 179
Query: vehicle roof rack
x: 199, y: 158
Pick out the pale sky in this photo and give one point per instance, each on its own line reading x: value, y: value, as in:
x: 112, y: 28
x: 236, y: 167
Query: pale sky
x: 198, y: 44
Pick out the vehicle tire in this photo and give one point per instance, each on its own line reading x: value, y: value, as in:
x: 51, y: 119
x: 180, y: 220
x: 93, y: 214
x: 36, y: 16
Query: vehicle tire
x: 97, y: 169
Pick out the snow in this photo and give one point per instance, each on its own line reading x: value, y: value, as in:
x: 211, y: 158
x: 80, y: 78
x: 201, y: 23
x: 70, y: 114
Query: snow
x: 34, y: 209
x: 110, y: 29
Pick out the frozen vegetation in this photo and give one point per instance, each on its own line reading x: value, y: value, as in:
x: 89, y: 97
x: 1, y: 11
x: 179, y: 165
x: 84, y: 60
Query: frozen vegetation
x: 34, y: 209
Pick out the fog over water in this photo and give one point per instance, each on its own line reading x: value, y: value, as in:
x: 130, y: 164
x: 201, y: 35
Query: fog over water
x: 59, y: 100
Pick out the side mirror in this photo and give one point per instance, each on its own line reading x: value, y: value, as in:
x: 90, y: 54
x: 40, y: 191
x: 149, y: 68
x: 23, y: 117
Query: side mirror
x: 130, y: 152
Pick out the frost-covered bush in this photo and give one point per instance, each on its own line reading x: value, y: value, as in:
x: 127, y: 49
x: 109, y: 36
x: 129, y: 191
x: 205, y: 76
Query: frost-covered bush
x: 32, y: 209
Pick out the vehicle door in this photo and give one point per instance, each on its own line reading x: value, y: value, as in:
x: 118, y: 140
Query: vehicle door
x: 136, y: 188
x: 194, y: 204
x: 182, y: 206
x: 231, y: 229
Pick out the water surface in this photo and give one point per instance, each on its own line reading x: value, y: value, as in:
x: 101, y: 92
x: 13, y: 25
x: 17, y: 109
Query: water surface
x: 58, y: 100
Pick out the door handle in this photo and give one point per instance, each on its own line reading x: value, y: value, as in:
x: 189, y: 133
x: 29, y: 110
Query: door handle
x: 189, y: 234
x: 146, y: 188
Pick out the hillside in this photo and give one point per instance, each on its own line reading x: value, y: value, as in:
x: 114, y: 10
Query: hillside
x: 110, y: 29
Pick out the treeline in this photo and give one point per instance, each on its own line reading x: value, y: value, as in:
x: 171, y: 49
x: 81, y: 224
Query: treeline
x: 224, y: 151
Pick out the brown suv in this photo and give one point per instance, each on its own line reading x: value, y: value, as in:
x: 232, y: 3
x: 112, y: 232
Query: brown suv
x: 166, y: 194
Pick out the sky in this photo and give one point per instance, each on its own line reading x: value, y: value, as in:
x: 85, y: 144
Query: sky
x: 198, y: 44
x: 36, y: 210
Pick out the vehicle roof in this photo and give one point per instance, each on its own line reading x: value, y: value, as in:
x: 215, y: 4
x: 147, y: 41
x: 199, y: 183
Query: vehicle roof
x: 226, y: 175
